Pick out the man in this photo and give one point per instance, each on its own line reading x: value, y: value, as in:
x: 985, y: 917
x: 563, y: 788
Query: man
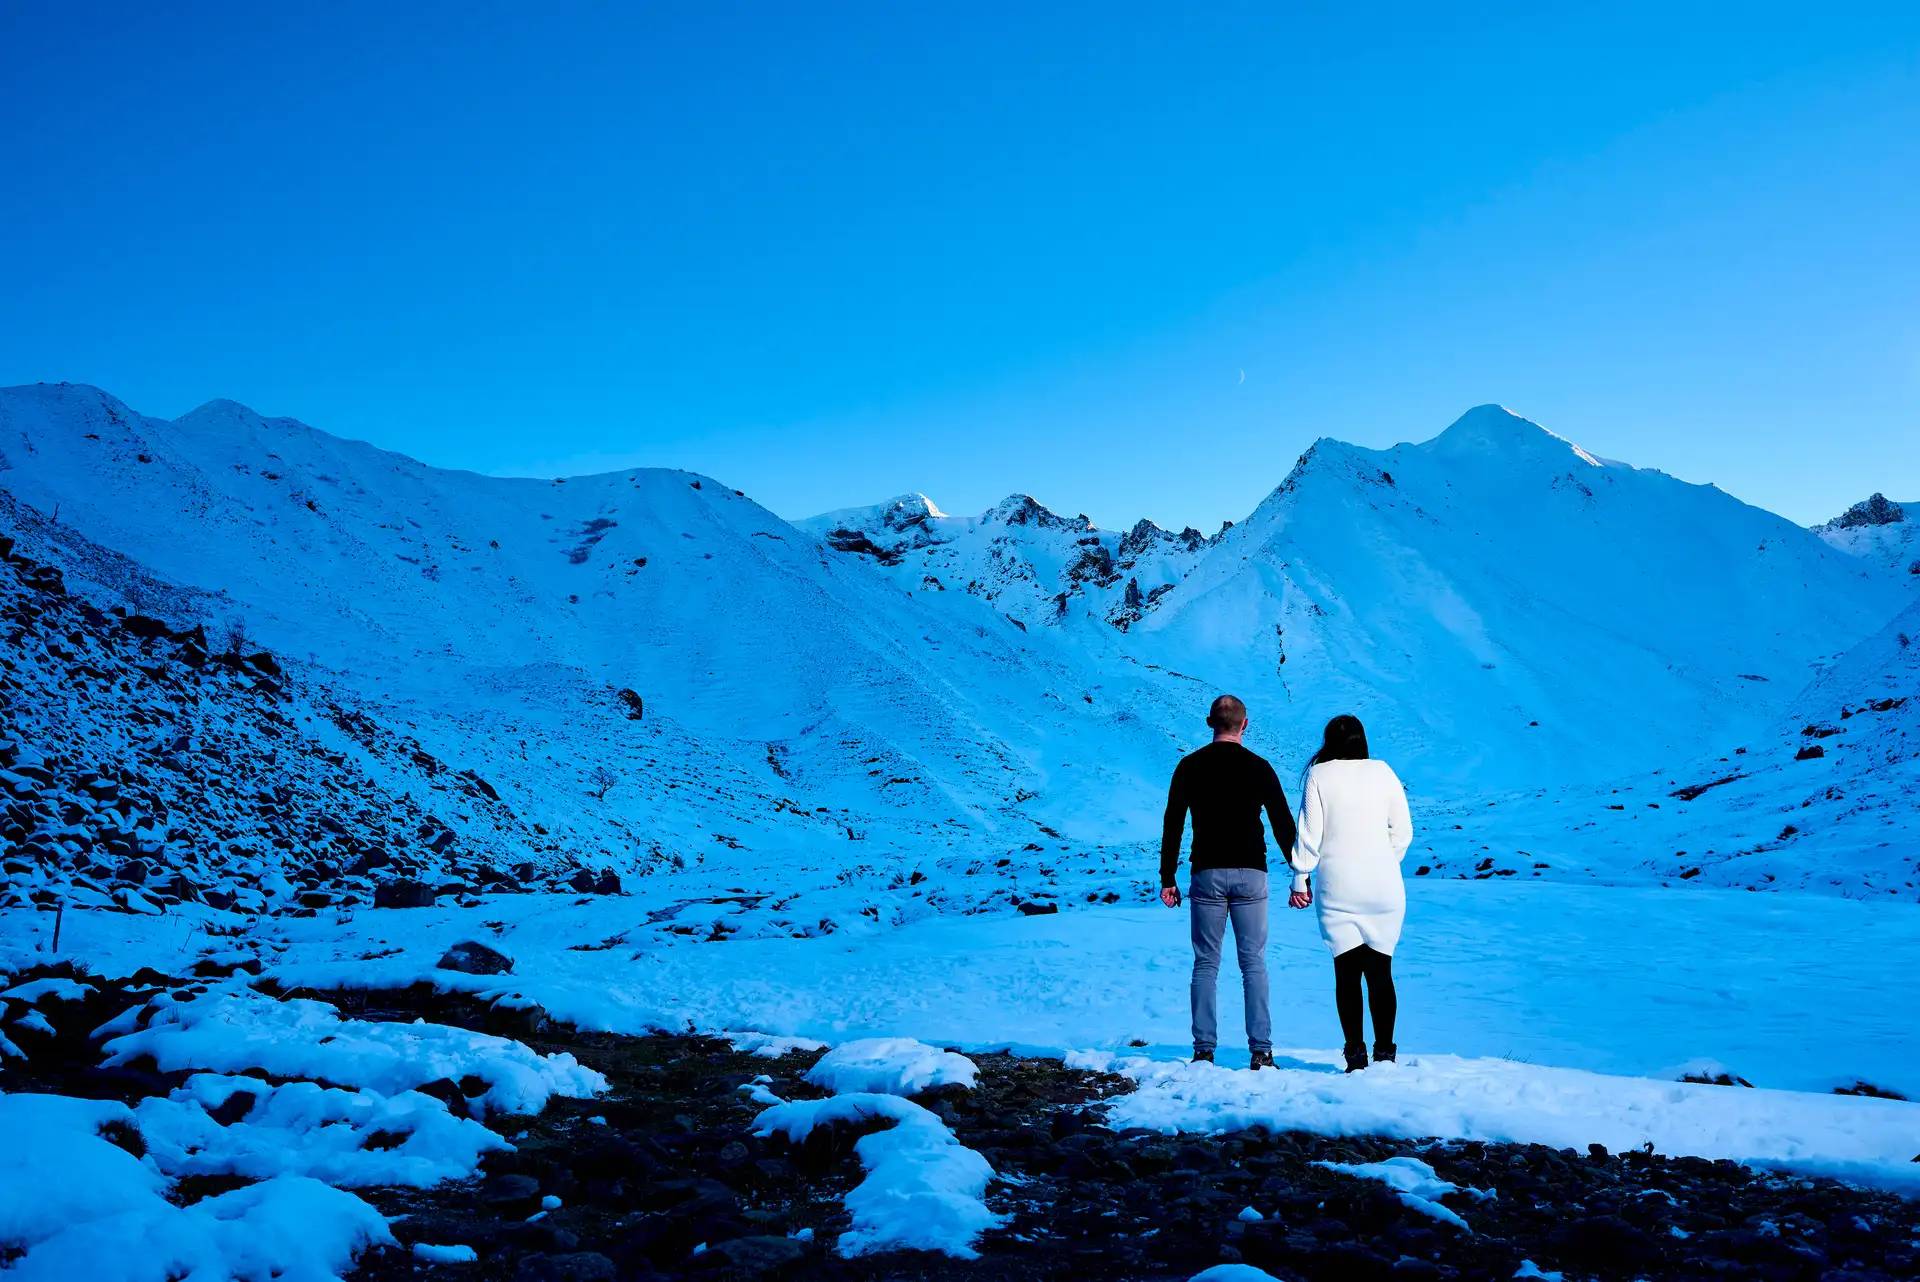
x: 1226, y: 786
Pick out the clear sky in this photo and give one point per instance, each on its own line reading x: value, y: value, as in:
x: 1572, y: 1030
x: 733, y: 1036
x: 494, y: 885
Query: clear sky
x: 1129, y: 258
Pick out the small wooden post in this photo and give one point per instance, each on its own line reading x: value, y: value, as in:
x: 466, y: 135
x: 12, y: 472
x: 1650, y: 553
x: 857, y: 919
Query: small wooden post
x: 59, y: 919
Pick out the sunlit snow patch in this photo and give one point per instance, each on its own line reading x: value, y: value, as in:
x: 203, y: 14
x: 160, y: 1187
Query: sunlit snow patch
x: 1865, y: 1140
x: 770, y: 1045
x: 1416, y: 1183
x: 923, y: 1189
x: 891, y: 1066
x: 233, y: 1030
x: 302, y: 1128
x: 107, y: 1218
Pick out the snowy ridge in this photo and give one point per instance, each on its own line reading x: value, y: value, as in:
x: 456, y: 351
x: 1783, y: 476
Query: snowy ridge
x: 651, y: 672
x: 1880, y: 532
x: 1035, y: 565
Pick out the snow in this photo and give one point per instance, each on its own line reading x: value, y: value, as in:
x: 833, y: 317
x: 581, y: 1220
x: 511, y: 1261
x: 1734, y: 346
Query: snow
x: 1486, y: 969
x: 1870, y: 1141
x: 97, y: 1178
x: 1234, y: 1273
x: 858, y: 710
x: 771, y: 1045
x: 107, y: 1219
x: 444, y: 1254
x: 232, y: 1030
x: 1414, y: 1181
x: 302, y: 1128
x: 1891, y: 542
x: 923, y: 1189
x: 290, y: 1227
x: 890, y: 1066
x: 842, y: 789
x: 1499, y: 976
x: 59, y: 990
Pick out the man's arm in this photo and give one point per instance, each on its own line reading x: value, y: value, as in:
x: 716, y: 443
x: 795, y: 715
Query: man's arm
x: 1279, y: 815
x: 1171, y: 827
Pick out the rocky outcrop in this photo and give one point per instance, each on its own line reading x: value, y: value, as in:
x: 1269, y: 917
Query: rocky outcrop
x: 138, y: 772
x: 1875, y: 510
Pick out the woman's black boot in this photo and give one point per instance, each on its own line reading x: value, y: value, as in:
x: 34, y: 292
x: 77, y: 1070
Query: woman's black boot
x: 1383, y: 1052
x: 1356, y: 1057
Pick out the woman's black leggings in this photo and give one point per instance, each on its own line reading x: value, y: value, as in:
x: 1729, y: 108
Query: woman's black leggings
x: 1348, y: 967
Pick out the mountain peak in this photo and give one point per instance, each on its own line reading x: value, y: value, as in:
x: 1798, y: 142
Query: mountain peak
x: 916, y: 505
x: 1024, y: 509
x: 1495, y: 429
x: 220, y: 410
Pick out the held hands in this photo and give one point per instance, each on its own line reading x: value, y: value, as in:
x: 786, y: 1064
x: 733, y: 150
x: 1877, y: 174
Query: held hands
x: 1170, y: 896
x: 1300, y: 898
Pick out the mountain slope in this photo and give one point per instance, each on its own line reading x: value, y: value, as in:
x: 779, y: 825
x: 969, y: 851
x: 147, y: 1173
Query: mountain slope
x: 142, y: 765
x: 648, y: 667
x: 1032, y: 563
x: 794, y: 695
x: 1822, y: 799
x: 1530, y: 610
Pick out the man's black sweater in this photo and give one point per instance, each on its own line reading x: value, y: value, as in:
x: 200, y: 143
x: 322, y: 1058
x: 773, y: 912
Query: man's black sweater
x: 1225, y: 786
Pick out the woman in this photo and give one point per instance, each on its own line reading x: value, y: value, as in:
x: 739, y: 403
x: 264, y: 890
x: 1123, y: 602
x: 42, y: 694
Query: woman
x: 1354, y: 828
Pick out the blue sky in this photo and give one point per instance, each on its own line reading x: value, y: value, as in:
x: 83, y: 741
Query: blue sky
x: 834, y: 253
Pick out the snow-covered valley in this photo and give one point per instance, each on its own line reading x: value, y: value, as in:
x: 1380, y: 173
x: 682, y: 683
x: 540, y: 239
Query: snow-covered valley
x: 295, y: 716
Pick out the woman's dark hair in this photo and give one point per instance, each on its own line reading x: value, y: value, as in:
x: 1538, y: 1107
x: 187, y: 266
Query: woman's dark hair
x: 1345, y: 739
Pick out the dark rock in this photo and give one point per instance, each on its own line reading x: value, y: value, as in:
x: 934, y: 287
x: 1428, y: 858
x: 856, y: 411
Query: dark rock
x: 234, y: 1108
x: 607, y: 883
x: 471, y: 957
x: 448, y: 1092
x: 1876, y: 510
x: 761, y: 1256
x: 507, y: 1193
x: 576, y: 1266
x: 404, y: 894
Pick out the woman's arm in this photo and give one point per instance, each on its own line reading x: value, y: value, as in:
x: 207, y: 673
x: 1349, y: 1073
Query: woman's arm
x: 1399, y: 818
x: 1307, y: 833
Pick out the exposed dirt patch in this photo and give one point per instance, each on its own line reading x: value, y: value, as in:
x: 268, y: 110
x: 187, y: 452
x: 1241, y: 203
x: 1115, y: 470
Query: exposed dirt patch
x: 665, y: 1164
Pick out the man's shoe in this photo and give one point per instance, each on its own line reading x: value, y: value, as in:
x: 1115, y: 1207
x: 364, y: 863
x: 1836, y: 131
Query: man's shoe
x: 1202, y: 1057
x: 1261, y: 1059
x: 1383, y: 1052
x: 1356, y: 1058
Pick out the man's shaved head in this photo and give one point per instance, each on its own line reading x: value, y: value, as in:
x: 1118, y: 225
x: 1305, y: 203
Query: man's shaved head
x: 1227, y: 714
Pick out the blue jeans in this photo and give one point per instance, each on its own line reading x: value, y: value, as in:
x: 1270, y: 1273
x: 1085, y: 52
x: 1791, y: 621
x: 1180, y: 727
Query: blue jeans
x: 1215, y: 896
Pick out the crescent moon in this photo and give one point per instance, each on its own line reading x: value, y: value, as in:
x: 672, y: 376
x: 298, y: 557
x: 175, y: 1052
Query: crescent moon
x: 1243, y: 376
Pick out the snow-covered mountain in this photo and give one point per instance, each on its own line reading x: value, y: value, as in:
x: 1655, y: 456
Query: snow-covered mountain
x: 1500, y: 604
x: 649, y: 667
x: 781, y: 696
x: 1036, y: 565
x: 1880, y: 531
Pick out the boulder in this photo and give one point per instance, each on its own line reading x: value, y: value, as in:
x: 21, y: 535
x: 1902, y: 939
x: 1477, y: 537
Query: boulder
x: 471, y: 957
x: 404, y: 894
x: 575, y: 1266
x: 760, y: 1256
x: 145, y: 626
